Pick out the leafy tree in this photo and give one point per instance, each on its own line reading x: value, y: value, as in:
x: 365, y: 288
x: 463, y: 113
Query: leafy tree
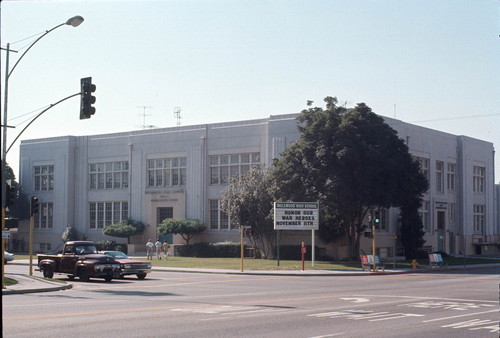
x: 184, y: 227
x: 350, y: 161
x: 249, y: 197
x: 21, y: 206
x: 124, y: 229
x: 412, y: 232
x: 70, y: 234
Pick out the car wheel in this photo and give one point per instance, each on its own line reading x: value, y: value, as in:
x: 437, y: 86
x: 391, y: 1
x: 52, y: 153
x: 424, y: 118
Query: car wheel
x: 141, y: 275
x: 83, y: 275
x: 47, y: 272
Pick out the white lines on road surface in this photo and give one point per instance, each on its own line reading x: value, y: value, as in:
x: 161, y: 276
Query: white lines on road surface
x: 458, y: 316
x: 457, y: 306
x: 428, y: 297
x: 329, y: 335
x: 365, y: 315
x: 477, y: 324
x: 356, y: 300
x: 226, y: 309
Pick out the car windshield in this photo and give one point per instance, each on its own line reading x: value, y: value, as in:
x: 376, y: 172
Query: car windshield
x: 119, y: 255
x: 85, y: 249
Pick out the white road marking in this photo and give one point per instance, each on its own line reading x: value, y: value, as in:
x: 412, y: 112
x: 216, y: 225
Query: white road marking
x: 356, y: 300
x: 458, y: 316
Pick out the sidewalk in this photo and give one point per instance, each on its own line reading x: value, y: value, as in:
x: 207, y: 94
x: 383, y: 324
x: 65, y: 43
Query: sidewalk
x: 35, y: 283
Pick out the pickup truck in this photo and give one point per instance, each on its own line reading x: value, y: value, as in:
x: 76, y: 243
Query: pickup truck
x: 79, y: 258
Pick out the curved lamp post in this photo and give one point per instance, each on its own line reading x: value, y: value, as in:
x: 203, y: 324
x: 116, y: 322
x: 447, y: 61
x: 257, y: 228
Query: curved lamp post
x: 75, y: 22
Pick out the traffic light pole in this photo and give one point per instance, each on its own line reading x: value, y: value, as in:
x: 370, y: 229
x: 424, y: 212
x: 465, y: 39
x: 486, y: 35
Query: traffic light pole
x: 374, y: 242
x: 242, y: 247
x: 40, y: 114
x: 32, y: 221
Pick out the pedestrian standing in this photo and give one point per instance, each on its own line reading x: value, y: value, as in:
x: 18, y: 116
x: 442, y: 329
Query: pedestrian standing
x: 158, y: 249
x: 166, y: 246
x: 149, y: 249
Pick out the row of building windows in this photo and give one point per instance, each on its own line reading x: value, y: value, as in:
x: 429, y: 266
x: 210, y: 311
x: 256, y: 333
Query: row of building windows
x: 478, y: 178
x: 43, y: 177
x: 224, y: 167
x: 102, y: 214
x: 167, y: 172
x: 171, y: 172
x: 110, y: 175
x: 44, y: 219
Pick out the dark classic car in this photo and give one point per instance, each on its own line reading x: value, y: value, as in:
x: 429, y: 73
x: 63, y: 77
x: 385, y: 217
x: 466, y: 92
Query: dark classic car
x: 130, y: 266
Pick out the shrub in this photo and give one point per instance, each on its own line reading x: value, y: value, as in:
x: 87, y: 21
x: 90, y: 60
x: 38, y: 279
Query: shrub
x: 221, y: 249
x: 105, y: 245
x: 293, y: 252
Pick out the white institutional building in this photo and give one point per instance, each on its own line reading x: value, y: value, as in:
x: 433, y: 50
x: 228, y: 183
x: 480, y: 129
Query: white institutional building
x: 89, y: 182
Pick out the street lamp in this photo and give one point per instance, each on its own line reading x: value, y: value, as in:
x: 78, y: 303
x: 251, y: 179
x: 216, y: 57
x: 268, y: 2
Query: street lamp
x: 75, y: 22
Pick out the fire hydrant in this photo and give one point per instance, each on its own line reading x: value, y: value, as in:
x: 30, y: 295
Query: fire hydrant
x: 414, y: 264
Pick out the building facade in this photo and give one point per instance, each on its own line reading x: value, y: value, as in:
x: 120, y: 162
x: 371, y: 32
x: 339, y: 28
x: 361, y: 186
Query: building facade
x: 89, y: 182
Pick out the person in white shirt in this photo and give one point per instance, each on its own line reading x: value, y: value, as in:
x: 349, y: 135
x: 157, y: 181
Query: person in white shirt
x: 158, y: 249
x: 149, y: 249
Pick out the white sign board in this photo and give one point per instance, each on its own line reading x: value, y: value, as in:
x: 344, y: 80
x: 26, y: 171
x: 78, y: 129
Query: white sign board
x: 5, y: 234
x: 296, y: 216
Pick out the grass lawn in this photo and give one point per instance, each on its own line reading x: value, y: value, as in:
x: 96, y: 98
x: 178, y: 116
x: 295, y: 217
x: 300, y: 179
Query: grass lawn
x: 266, y: 264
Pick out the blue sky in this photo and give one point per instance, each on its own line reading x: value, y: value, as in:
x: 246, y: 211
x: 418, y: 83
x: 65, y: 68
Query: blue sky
x: 432, y: 63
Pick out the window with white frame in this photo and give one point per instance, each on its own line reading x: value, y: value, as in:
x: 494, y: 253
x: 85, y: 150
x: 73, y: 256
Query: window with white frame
x: 45, y: 217
x: 43, y: 177
x: 224, y: 167
x: 451, y: 212
x: 439, y: 176
x: 219, y: 220
x: 102, y: 214
x: 45, y: 247
x: 478, y: 216
x: 425, y: 216
x: 166, y: 172
x: 424, y: 165
x: 108, y: 175
x: 478, y: 179
x: 450, y: 176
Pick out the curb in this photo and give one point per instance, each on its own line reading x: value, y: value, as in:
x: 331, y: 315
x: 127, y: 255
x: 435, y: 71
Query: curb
x: 56, y: 286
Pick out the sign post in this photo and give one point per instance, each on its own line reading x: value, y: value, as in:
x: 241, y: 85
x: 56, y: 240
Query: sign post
x: 297, y: 216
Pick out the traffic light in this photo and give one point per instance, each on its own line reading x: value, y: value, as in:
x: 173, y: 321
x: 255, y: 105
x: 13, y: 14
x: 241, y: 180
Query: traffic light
x: 87, y: 99
x: 376, y: 219
x: 11, y: 195
x: 249, y: 232
x: 34, y: 205
x: 244, y: 216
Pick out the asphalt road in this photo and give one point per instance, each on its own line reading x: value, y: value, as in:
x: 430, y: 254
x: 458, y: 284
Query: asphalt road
x: 170, y: 304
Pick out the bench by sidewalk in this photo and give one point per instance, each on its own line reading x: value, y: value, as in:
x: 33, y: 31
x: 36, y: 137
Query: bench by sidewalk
x: 367, y: 263
x: 436, y: 261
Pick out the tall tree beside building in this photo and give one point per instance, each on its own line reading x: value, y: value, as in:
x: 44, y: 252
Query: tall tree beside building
x: 20, y: 208
x: 350, y: 161
x: 248, y: 201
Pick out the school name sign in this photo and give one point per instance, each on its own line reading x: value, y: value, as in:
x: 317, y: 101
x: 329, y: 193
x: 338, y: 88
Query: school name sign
x: 296, y: 216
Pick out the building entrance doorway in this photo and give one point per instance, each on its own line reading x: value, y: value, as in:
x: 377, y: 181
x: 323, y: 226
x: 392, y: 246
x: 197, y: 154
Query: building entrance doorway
x: 441, y: 225
x: 163, y: 213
